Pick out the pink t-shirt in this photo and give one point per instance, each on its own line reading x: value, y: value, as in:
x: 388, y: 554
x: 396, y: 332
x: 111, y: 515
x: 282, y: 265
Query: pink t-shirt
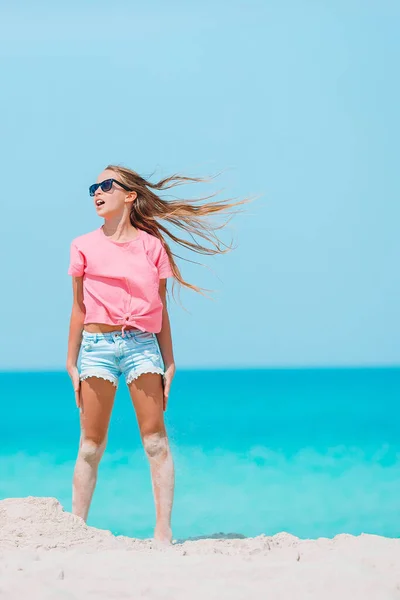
x: 121, y: 279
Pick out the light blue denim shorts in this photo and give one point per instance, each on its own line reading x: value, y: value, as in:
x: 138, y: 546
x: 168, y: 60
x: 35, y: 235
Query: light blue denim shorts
x: 109, y: 355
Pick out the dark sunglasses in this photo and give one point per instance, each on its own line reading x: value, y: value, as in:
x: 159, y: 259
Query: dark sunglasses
x: 106, y: 186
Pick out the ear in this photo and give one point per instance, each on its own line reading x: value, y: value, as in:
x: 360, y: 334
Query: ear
x: 131, y: 197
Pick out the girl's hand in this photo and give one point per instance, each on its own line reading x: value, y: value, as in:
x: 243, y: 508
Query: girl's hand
x: 167, y: 380
x: 74, y: 374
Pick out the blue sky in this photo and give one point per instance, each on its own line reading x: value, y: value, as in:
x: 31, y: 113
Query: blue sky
x: 296, y: 101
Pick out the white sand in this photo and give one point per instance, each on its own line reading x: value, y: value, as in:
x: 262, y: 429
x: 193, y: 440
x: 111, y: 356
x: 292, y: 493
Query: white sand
x: 48, y: 554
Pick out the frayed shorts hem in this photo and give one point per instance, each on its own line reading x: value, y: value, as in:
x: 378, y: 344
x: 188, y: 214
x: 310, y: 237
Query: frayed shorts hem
x: 136, y: 373
x: 99, y: 375
x: 129, y: 377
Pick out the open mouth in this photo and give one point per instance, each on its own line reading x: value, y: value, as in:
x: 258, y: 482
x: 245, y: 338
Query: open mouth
x: 99, y: 202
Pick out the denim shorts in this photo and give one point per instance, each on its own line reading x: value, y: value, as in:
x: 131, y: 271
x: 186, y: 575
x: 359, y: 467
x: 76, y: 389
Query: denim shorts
x: 109, y: 355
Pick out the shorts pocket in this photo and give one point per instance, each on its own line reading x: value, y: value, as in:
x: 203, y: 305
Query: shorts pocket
x: 87, y: 345
x: 90, y: 343
x: 143, y: 337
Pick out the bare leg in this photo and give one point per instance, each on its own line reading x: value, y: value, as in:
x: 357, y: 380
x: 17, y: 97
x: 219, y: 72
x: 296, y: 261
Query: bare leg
x: 163, y: 479
x: 97, y: 397
x: 147, y: 396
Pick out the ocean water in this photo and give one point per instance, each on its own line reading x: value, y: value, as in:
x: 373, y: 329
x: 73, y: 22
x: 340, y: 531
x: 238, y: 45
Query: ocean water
x: 311, y: 452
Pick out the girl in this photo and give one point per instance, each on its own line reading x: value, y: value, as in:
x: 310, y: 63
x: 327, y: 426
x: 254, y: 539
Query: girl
x: 120, y: 325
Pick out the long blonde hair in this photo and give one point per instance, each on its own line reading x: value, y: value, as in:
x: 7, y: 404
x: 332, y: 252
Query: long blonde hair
x: 149, y: 208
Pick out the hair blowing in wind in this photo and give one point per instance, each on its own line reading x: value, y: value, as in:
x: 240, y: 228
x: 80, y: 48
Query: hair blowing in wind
x: 189, y: 215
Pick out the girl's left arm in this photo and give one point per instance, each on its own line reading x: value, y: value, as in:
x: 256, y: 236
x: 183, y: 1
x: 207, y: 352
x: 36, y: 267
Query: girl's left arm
x: 165, y: 341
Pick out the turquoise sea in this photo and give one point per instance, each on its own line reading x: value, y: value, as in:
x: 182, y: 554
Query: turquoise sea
x: 311, y: 452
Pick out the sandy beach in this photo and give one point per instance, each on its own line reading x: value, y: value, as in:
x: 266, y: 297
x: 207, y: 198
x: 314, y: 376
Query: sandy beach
x: 47, y: 553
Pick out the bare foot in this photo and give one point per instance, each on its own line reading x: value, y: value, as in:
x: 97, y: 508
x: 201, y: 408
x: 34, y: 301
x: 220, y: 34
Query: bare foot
x: 163, y: 535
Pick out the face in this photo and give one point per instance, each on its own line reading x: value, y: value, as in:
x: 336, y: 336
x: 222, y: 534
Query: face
x: 112, y: 203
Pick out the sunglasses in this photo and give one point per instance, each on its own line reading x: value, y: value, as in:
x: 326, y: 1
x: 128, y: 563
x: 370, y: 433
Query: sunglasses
x: 106, y: 186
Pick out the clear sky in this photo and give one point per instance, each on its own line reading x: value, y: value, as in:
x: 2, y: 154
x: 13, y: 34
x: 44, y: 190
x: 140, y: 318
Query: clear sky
x: 297, y: 100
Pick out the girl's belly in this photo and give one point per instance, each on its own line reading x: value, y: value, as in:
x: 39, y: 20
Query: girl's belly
x: 103, y: 328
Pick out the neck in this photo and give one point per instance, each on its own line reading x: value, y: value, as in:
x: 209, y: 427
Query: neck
x: 119, y: 228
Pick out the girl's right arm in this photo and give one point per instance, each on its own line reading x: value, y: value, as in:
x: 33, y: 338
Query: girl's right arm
x: 75, y: 334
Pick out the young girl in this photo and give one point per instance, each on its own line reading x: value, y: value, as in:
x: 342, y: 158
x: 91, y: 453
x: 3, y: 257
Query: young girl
x: 120, y: 325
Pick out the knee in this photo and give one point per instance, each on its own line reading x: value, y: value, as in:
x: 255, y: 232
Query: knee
x: 155, y: 444
x: 91, y: 451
